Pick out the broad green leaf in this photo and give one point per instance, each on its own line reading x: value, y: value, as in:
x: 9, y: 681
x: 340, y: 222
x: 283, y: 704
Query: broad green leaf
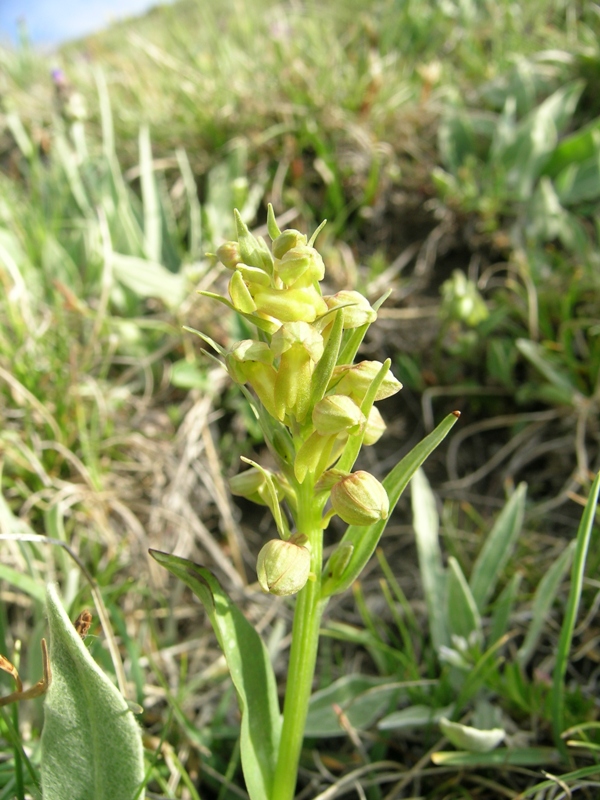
x: 91, y: 742
x: 426, y: 525
x: 414, y: 717
x: 543, y: 600
x: 497, y: 548
x: 361, y: 699
x: 456, y: 140
x: 579, y: 182
x: 250, y: 669
x: 472, y: 739
x: 149, y: 279
x: 536, y: 138
x: 364, y: 539
x: 580, y: 146
x: 463, y: 615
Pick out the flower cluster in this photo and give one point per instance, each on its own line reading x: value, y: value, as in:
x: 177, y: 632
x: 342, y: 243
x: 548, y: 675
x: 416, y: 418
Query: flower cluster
x: 319, y: 405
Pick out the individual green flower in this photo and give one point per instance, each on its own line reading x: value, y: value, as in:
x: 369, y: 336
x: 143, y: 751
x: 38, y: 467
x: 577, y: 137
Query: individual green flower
x: 283, y: 567
x: 290, y: 305
x: 354, y: 380
x: 375, y: 427
x: 300, y: 267
x: 337, y: 413
x: 359, y: 499
x: 287, y: 240
x: 356, y: 309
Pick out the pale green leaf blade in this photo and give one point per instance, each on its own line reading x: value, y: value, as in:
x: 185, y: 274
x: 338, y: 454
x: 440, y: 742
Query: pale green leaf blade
x: 414, y: 717
x: 151, y: 203
x: 542, y: 603
x: 503, y: 756
x: 498, y: 547
x: 149, y: 279
x: 361, y: 698
x: 463, y: 617
x: 23, y: 582
x: 503, y: 607
x: 472, y: 739
x: 364, y: 539
x: 250, y: 669
x: 91, y: 742
x: 431, y: 568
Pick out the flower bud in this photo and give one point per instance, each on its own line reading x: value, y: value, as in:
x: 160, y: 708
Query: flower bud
x: 337, y: 413
x: 375, y: 427
x: 359, y: 499
x: 354, y: 380
x: 356, y: 309
x: 283, y: 567
x: 287, y: 240
x: 229, y: 254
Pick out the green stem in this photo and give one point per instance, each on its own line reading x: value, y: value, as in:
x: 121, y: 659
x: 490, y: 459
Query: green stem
x: 303, y: 654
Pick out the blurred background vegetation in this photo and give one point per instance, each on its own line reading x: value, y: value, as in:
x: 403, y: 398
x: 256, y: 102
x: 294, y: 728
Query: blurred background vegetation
x: 454, y: 148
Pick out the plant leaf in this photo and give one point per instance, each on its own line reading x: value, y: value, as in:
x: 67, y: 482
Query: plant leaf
x: 472, y: 739
x: 361, y: 698
x: 250, y: 669
x: 463, y: 616
x: 522, y: 756
x: 364, y: 539
x: 545, y: 596
x: 414, y: 717
x: 91, y: 743
x: 566, y: 634
x: 497, y: 548
x: 426, y: 525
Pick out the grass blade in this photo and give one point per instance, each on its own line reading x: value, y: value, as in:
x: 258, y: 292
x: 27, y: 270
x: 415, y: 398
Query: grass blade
x: 568, y: 626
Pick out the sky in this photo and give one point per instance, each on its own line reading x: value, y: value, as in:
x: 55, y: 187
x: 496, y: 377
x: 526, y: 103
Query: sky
x: 51, y: 22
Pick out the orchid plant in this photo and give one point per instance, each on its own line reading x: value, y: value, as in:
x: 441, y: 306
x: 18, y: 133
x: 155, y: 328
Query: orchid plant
x: 315, y: 406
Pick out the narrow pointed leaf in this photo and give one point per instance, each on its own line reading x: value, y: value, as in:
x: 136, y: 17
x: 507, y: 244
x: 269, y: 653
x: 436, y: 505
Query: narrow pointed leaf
x: 364, y: 539
x: 91, y: 742
x: 431, y: 567
x: 498, y: 548
x: 542, y: 603
x: 250, y: 669
x: 463, y: 616
x: 566, y: 634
